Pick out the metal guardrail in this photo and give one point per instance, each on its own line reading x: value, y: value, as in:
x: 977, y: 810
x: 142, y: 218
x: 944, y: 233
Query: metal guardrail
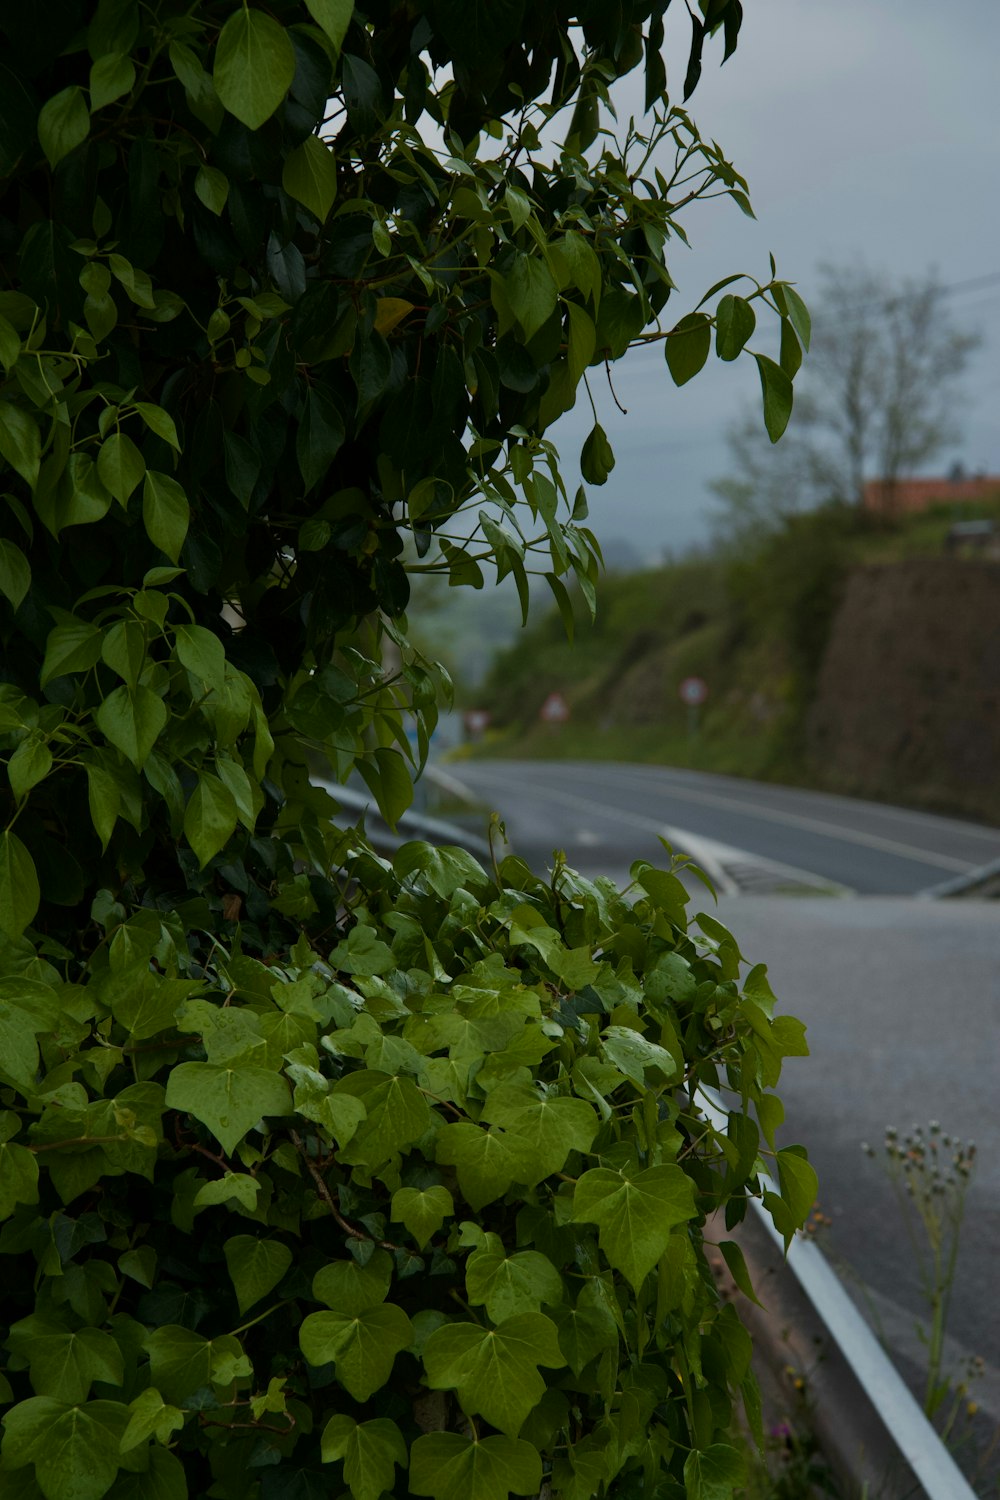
x: 411, y: 825
x: 984, y: 881
x: 915, y: 1443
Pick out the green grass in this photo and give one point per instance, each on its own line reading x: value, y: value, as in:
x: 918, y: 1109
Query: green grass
x: 754, y: 626
x: 714, y: 748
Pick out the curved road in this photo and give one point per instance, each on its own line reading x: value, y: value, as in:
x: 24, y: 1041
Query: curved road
x: 605, y: 814
x: 901, y: 997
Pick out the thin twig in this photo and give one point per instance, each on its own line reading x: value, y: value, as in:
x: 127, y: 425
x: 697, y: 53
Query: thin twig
x: 331, y: 1202
x: 614, y: 396
x: 253, y: 1426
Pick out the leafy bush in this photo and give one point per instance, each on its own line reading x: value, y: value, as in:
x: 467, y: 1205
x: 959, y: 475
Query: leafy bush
x: 263, y: 341
x: 431, y: 1201
x: 789, y: 588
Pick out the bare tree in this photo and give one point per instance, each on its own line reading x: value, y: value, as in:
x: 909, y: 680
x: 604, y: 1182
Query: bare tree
x: 879, y: 393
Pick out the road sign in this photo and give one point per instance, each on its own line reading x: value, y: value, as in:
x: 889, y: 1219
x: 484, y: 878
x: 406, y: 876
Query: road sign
x: 476, y: 721
x: 693, y: 691
x: 555, y: 709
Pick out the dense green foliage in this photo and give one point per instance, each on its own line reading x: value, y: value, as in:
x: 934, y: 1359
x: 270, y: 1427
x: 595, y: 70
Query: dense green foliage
x: 266, y: 1217
x: 243, y: 365
x: 284, y: 293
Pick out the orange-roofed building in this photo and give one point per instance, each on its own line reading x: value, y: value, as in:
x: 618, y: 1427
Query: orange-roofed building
x: 906, y: 496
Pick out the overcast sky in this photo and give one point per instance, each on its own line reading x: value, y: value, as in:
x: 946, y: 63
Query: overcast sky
x: 867, y: 131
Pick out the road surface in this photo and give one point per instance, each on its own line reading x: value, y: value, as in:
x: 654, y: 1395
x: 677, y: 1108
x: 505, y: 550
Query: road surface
x: 605, y: 814
x: 901, y: 997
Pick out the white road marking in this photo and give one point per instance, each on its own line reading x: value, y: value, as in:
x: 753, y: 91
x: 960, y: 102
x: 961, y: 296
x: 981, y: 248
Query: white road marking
x: 772, y: 815
x: 674, y: 780
x: 718, y: 859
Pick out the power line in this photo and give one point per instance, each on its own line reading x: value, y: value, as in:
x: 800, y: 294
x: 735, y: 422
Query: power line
x: 958, y: 286
x: 885, y: 306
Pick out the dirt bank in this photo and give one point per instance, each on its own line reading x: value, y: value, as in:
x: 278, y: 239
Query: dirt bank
x: 907, y: 702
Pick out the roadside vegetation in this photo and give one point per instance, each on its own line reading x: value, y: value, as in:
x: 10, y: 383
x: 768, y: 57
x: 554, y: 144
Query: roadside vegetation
x: 321, y: 1172
x: 752, y: 621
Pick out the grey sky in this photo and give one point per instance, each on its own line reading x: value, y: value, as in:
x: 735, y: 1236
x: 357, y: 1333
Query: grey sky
x: 868, y: 131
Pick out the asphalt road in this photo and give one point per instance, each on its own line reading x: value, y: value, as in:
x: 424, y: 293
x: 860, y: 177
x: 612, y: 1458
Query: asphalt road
x: 604, y: 815
x: 901, y: 997
x: 901, y: 1001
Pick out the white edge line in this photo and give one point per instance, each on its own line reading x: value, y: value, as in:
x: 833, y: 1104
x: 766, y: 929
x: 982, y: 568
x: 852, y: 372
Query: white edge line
x: 959, y: 884
x: 820, y: 826
x: 705, y: 854
x: 675, y: 781
x: 449, y: 783
x: 713, y: 855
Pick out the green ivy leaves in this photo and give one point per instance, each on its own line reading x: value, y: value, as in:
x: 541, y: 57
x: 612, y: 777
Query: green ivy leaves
x: 449, y: 1467
x: 362, y: 1347
x: 735, y: 321
x: 546, y: 1128
x: 494, y: 1371
x: 687, y: 347
x: 635, y: 1215
x: 422, y: 1210
x: 18, y: 1177
x: 210, y: 817
x: 530, y: 292
x: 371, y: 1452
x: 230, y: 1101
x: 510, y: 1284
x: 333, y: 17
x: 255, y: 1266
x: 487, y: 1161
x: 19, y: 890
x: 151, y: 1416
x: 132, y: 719
x: 15, y: 572
x: 64, y: 1363
x: 20, y: 441
x: 257, y: 1074
x: 254, y: 66
x: 310, y: 176
x: 74, y: 1447
x: 776, y: 388
x: 551, y: 1297
x: 182, y: 1362
x: 166, y: 513
x: 597, y: 457
x: 63, y: 124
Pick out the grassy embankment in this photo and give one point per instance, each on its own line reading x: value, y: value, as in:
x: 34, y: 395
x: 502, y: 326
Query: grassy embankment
x: 753, y: 624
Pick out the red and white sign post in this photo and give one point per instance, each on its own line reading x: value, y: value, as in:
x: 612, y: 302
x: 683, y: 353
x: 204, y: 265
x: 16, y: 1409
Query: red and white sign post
x: 555, y: 709
x: 693, y: 692
x: 476, y: 721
